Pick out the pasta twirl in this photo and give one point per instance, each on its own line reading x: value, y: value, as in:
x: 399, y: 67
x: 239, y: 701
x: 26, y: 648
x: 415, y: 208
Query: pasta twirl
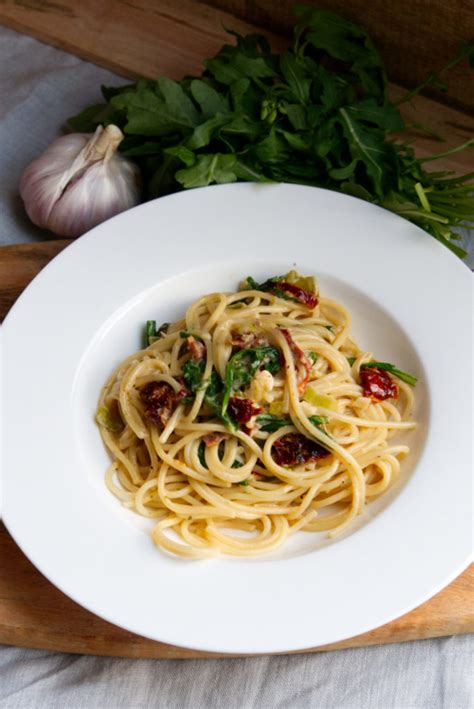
x: 253, y: 417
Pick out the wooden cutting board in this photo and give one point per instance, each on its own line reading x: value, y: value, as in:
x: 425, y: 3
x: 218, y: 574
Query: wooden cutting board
x: 166, y: 38
x: 33, y: 613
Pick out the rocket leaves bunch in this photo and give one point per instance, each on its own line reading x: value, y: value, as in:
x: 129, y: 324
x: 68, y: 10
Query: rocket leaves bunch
x: 316, y: 114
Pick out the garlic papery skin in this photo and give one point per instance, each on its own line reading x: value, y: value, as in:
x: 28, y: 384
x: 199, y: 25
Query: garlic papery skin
x: 80, y: 181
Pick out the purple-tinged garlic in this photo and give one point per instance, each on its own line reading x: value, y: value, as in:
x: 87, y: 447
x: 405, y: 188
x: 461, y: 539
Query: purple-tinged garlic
x: 80, y: 181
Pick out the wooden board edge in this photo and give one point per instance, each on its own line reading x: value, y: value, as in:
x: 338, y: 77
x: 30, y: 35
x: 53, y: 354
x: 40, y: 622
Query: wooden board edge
x: 135, y: 649
x: 105, y: 639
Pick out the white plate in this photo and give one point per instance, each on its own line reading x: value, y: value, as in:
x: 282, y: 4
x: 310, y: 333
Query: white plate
x: 84, y: 313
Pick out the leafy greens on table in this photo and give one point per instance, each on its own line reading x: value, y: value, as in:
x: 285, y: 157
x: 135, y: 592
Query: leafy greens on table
x: 316, y: 114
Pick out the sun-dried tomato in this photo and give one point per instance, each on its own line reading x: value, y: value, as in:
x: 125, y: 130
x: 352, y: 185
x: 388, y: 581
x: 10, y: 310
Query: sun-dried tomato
x: 300, y: 358
x: 184, y: 391
x: 295, y: 449
x: 378, y: 384
x: 247, y: 339
x: 242, y: 410
x: 159, y: 400
x: 299, y: 294
x: 213, y: 438
x: 196, y: 347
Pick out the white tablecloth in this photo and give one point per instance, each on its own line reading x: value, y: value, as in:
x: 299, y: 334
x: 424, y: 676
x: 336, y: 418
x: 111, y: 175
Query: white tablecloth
x: 40, y: 87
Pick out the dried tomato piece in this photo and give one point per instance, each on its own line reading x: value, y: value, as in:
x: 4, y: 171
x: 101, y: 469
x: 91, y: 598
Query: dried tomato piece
x: 295, y: 449
x: 247, y: 340
x: 159, y: 400
x: 300, y: 358
x: 213, y: 438
x: 299, y: 294
x: 242, y: 410
x: 378, y: 384
x: 197, y: 348
x: 184, y: 392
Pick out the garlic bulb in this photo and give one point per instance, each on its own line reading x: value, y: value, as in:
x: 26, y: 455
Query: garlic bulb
x: 79, y: 182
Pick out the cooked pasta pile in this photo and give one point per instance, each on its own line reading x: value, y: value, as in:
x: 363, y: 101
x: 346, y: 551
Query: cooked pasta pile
x: 253, y: 417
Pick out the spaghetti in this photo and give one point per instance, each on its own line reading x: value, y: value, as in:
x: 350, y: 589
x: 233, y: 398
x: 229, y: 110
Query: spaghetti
x: 253, y: 417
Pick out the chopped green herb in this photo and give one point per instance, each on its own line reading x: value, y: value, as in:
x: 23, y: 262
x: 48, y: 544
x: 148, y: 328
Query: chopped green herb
x: 329, y: 327
x: 318, y: 420
x: 152, y: 334
x: 351, y: 360
x: 404, y: 376
x: 213, y: 398
x: 269, y: 423
x: 313, y: 357
x: 244, y: 483
x: 237, y: 464
x: 184, y: 334
x: 193, y: 373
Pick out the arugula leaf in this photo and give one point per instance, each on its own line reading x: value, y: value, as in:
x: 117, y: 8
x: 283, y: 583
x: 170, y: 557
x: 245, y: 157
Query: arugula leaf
x: 214, y: 398
x: 242, y: 127
x: 217, y: 168
x: 230, y: 65
x: 222, y: 72
x: 157, y: 109
x: 185, y: 333
x: 210, y: 101
x: 89, y: 118
x: 204, y: 133
x: 344, y: 41
x: 238, y: 90
x: 318, y: 420
x: 150, y: 332
x: 297, y: 116
x: 270, y: 423
x: 272, y: 149
x: 182, y: 153
x: 404, y: 376
x: 295, y: 141
x: 296, y: 77
x: 367, y: 146
x: 320, y: 423
x: 193, y: 373
x: 386, y: 117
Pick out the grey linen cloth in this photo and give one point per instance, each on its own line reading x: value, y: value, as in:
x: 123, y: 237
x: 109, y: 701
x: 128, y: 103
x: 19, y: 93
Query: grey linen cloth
x: 40, y: 88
